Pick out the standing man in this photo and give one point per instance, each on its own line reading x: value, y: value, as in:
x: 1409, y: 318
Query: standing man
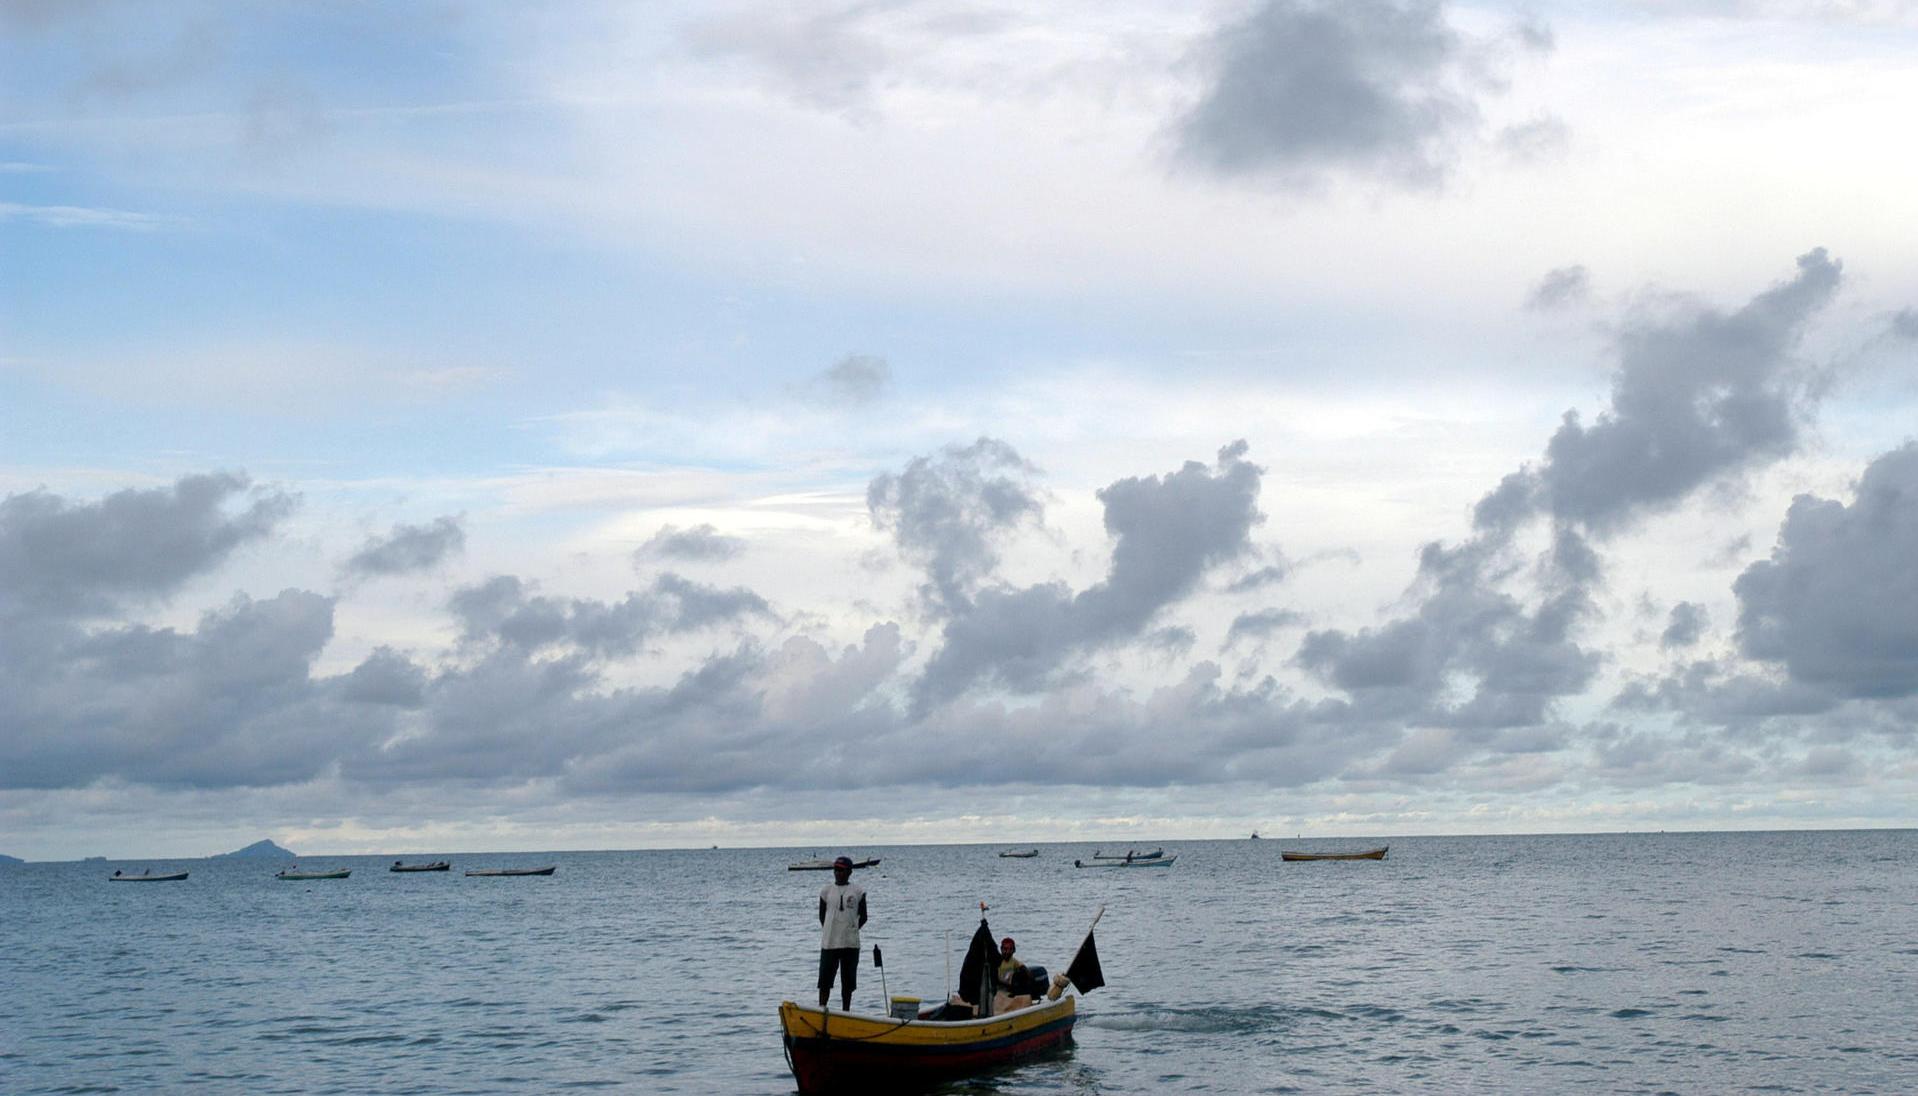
x: 842, y: 913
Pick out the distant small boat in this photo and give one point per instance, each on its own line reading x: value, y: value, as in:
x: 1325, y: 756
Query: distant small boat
x: 298, y: 876
x: 1155, y: 862
x: 1255, y: 836
x: 1368, y: 854
x: 1019, y: 854
x: 1153, y: 855
x: 147, y: 877
x: 826, y: 865
x: 547, y: 870
x: 437, y: 865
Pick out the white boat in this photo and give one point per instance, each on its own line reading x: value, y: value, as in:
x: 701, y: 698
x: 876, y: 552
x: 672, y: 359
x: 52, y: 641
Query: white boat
x: 1155, y: 862
x: 147, y: 877
x: 1019, y: 854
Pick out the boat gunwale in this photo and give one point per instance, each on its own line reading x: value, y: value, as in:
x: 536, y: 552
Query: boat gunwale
x: 894, y: 1023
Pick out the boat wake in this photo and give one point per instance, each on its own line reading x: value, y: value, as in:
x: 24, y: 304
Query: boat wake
x: 1214, y: 1020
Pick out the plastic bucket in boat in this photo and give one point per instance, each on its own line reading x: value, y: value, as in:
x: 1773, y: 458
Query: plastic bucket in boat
x: 905, y: 1008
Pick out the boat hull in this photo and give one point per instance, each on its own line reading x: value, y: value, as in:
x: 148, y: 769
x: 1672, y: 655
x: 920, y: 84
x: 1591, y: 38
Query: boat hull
x: 308, y: 876
x: 1369, y: 854
x: 498, y: 872
x: 441, y: 866
x: 826, y: 865
x: 1161, y: 862
x: 848, y: 1052
x: 172, y: 877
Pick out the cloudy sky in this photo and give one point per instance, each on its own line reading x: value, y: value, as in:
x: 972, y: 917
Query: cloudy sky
x: 468, y: 426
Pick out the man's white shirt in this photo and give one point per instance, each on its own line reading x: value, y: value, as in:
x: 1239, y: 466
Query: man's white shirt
x: 841, y: 928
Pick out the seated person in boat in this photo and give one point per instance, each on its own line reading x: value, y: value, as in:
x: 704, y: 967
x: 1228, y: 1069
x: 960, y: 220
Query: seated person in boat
x: 1014, y: 984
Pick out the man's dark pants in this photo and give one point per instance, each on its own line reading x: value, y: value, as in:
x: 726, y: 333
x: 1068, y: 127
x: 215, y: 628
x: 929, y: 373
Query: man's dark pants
x: 846, y: 962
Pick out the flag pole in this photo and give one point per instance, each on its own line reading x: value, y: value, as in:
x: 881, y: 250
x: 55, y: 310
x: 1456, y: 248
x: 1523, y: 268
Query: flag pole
x: 1061, y: 980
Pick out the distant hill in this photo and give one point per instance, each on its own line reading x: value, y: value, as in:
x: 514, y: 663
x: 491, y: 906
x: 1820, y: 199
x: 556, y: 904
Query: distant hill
x: 259, y: 850
x: 11, y: 860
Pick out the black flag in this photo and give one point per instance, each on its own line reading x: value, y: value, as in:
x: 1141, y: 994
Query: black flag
x: 981, y: 958
x: 1084, y: 971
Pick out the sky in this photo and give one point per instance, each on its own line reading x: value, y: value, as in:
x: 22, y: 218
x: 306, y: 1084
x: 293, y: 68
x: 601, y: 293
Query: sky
x: 453, y: 427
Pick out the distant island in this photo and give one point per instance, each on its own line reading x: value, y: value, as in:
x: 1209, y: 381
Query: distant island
x: 261, y: 850
x: 11, y: 860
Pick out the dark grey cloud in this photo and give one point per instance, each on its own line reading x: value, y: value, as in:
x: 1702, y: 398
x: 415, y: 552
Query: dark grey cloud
x: 409, y: 548
x: 1261, y: 624
x: 856, y: 380
x: 1643, y: 759
x: 948, y: 512
x: 386, y: 677
x: 730, y: 732
x: 1836, y: 604
x: 1536, y: 35
x: 1705, y: 395
x: 1174, y: 640
x: 1715, y: 692
x: 62, y: 559
x: 1829, y: 763
x: 1687, y: 626
x: 533, y: 692
x: 1269, y: 575
x: 699, y: 544
x: 231, y: 703
x: 1538, y: 140
x: 1167, y: 531
x: 1301, y: 87
x: 1560, y: 287
x: 696, y: 605
x: 792, y: 716
x: 506, y: 611
x: 1469, y: 631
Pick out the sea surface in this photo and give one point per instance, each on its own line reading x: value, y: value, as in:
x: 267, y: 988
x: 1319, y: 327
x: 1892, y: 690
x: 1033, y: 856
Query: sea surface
x: 1625, y: 963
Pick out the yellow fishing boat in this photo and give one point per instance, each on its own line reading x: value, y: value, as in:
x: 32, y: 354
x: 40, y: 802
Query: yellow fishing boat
x: 832, y: 1051
x: 915, y: 1048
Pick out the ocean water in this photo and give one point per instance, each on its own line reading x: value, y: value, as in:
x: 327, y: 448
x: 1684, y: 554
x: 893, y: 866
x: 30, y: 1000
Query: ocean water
x: 1687, y: 963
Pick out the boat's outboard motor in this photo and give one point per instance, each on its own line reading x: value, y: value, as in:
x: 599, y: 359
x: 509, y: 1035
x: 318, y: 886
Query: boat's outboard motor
x: 1033, y: 984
